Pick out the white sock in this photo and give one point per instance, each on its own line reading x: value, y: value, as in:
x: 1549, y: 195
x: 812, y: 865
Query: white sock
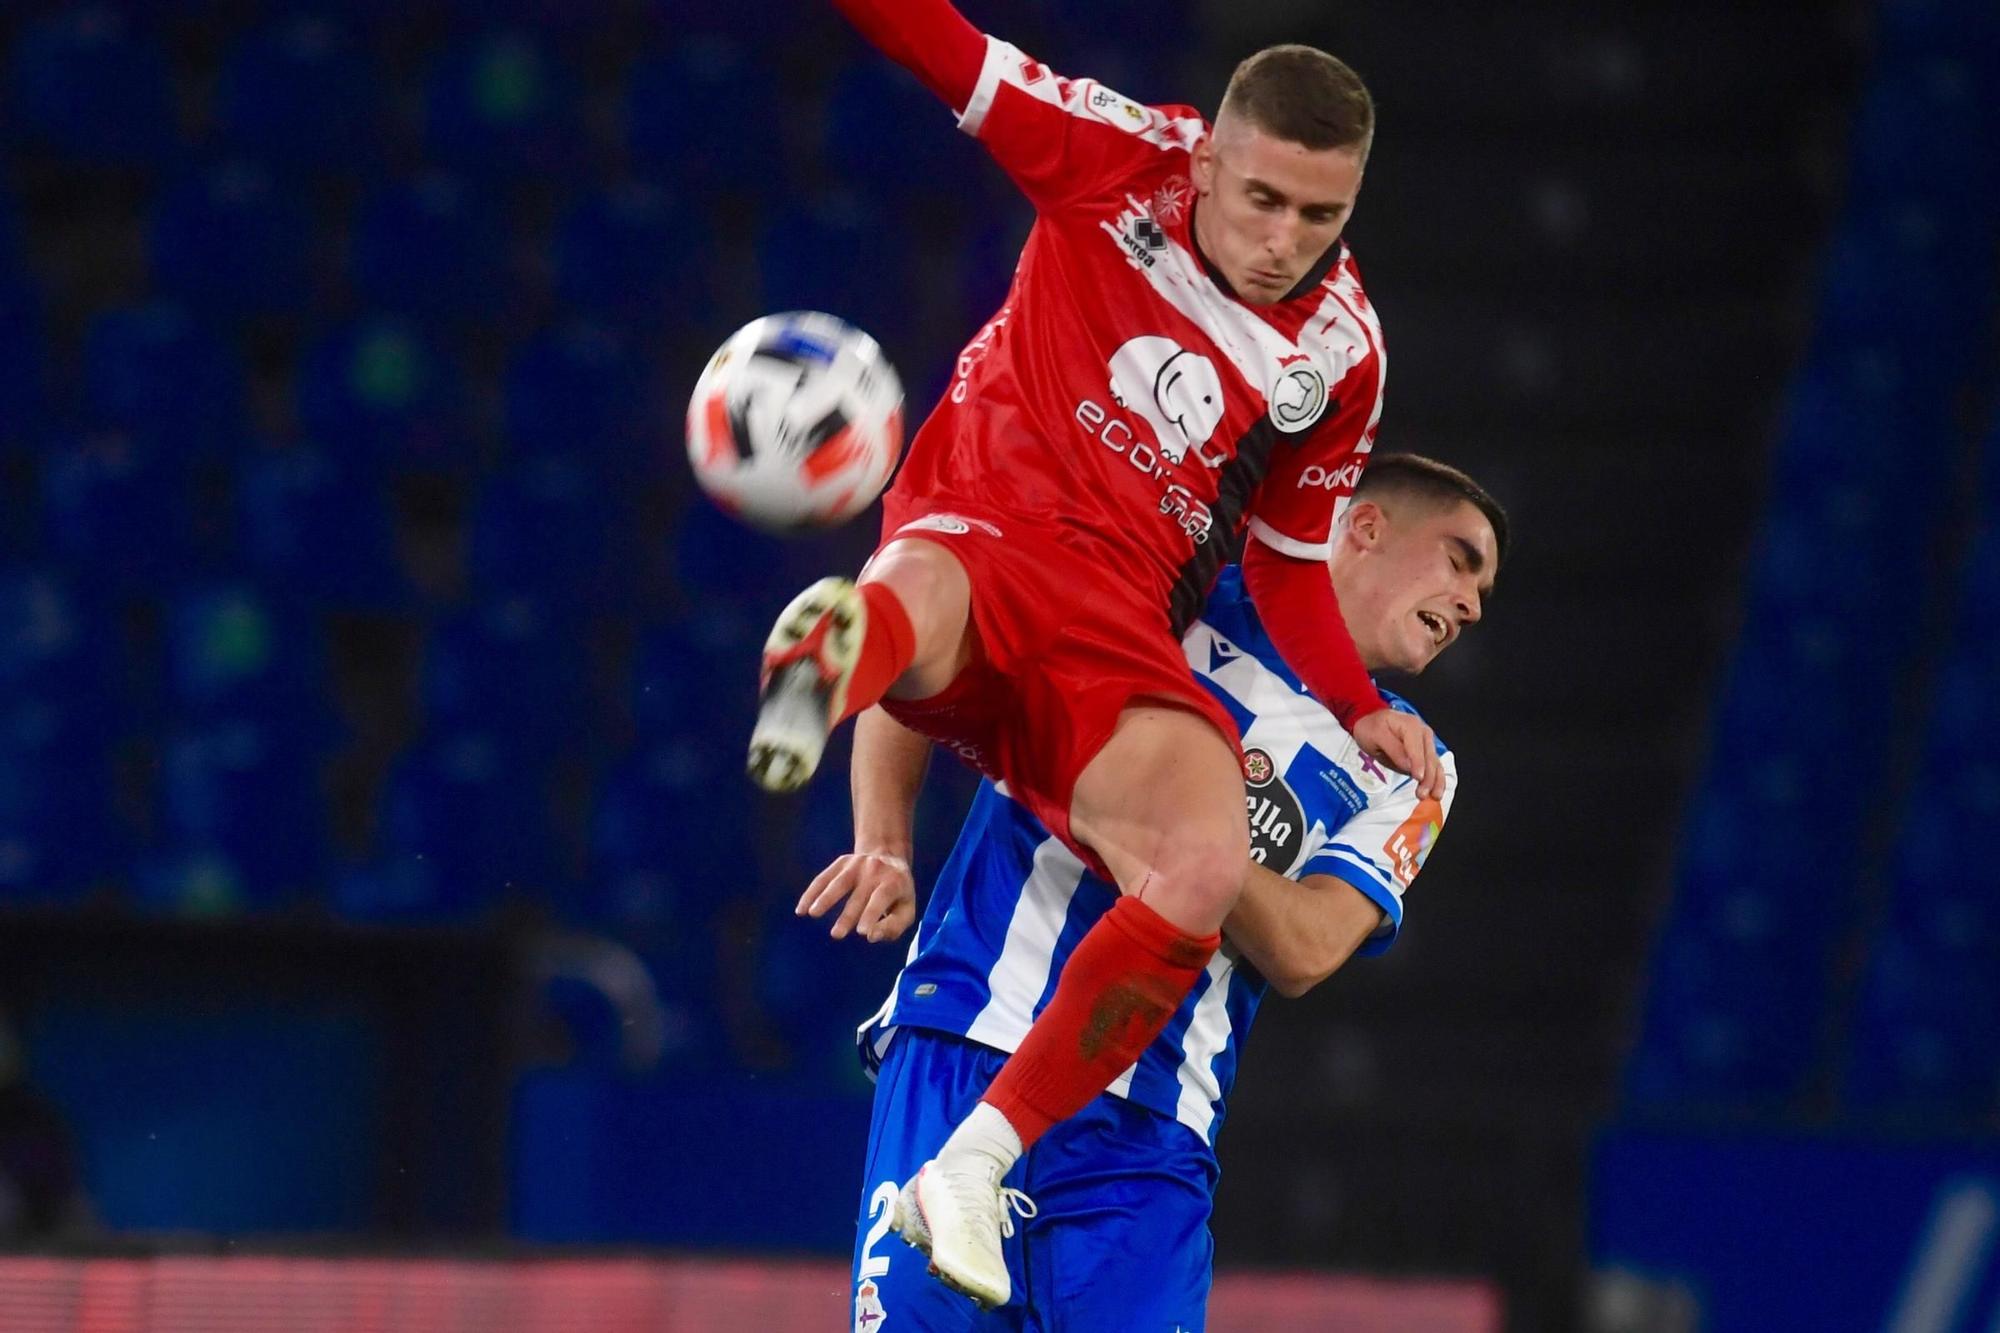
x: 986, y: 1134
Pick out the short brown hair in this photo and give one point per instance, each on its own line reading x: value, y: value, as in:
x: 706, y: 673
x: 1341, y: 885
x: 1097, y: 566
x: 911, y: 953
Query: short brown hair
x: 1304, y: 96
x: 1427, y: 479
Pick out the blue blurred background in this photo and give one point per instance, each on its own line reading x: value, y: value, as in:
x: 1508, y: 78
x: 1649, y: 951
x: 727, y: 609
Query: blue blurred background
x: 374, y: 860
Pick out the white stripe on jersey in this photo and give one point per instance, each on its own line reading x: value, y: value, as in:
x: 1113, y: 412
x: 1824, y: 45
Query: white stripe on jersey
x: 1206, y: 1038
x: 1021, y: 973
x: 1007, y: 63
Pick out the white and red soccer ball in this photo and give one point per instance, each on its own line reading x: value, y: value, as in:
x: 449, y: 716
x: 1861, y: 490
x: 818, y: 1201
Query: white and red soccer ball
x: 796, y: 423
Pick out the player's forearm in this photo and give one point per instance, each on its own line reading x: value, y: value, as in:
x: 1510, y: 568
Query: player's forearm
x: 1296, y: 603
x: 1298, y: 935
x: 930, y: 38
x: 887, y: 772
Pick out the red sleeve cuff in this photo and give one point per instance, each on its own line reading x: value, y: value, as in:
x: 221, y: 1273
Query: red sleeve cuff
x: 1296, y: 603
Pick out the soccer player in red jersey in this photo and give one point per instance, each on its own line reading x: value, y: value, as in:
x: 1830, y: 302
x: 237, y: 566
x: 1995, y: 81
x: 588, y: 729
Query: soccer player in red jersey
x: 1186, y: 360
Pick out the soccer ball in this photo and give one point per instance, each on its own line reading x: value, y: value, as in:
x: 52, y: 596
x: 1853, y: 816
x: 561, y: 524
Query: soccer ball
x: 796, y: 423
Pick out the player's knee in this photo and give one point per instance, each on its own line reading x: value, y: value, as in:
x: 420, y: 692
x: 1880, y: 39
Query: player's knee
x: 1204, y: 875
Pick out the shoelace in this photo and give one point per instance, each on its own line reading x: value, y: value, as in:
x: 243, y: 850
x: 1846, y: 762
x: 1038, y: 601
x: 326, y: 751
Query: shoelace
x: 980, y: 1198
x: 1013, y: 1201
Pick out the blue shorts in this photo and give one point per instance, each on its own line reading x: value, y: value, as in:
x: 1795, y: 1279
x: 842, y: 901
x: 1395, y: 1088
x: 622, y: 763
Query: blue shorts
x: 1119, y: 1242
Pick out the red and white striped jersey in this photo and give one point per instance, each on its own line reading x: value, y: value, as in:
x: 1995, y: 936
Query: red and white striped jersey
x: 1123, y: 391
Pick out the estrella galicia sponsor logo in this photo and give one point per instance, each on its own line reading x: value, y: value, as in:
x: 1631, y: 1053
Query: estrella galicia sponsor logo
x: 1344, y: 477
x: 1298, y: 399
x: 1277, y: 820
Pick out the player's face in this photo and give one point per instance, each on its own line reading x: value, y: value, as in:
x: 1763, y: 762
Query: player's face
x: 1419, y: 575
x: 1269, y: 208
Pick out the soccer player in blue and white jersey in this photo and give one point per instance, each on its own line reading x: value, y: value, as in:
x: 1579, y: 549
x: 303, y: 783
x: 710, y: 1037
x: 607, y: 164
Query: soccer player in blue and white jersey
x: 1116, y: 1237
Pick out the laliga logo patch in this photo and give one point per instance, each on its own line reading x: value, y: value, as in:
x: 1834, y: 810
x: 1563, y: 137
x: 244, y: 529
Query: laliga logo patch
x: 1115, y: 108
x: 1298, y: 399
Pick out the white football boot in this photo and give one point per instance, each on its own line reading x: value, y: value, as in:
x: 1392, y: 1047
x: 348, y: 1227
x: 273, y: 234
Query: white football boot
x: 809, y: 660
x: 956, y: 1211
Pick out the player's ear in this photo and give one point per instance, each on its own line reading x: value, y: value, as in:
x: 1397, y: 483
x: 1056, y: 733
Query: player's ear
x: 1368, y: 522
x: 1201, y: 165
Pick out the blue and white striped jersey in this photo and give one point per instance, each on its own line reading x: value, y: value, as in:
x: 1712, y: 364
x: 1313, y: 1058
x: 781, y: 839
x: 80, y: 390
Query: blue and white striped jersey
x: 1012, y: 901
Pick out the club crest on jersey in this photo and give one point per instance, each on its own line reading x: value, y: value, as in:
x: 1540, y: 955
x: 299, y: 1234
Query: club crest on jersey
x: 1177, y: 392
x: 1257, y: 768
x: 1299, y: 398
x: 869, y: 1316
x: 1170, y: 201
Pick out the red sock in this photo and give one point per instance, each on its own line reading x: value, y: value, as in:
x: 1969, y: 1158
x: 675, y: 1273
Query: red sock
x: 1127, y: 976
x: 887, y: 647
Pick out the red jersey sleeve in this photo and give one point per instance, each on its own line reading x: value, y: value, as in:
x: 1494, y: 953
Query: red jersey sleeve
x: 1064, y: 141
x: 1310, y: 482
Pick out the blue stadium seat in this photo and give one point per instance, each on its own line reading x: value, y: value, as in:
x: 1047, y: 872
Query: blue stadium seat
x: 636, y: 258
x: 383, y: 392
x: 231, y: 653
x: 60, y: 647
x: 24, y: 361
x: 843, y: 256
x: 1919, y: 28
x: 697, y: 675
x: 706, y: 117
x: 477, y: 815
x: 673, y: 835
x: 433, y: 248
x: 718, y: 559
x: 546, y: 529
x: 251, y: 792
x: 120, y: 514
x: 1916, y: 272
x: 1728, y: 1023
x: 57, y: 835
x: 1925, y: 128
x: 1927, y: 1036
x: 1117, y: 25
x: 885, y: 134
x: 85, y: 84
x: 228, y: 242
x: 509, y: 671
x: 1944, y: 894
x: 815, y: 989
x: 308, y: 527
x: 300, y: 95
x: 13, y: 252
x: 194, y: 881
x: 396, y: 888
x: 576, y: 391
x: 153, y: 370
x: 498, y: 107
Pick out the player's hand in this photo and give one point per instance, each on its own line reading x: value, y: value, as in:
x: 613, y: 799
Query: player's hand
x: 878, y: 888
x: 1405, y: 744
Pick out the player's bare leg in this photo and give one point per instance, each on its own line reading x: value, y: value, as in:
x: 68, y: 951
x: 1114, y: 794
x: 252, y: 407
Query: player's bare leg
x: 1162, y: 805
x: 839, y: 647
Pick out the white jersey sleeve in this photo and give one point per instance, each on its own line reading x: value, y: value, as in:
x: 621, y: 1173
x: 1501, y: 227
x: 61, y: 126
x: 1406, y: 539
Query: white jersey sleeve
x: 1381, y: 848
